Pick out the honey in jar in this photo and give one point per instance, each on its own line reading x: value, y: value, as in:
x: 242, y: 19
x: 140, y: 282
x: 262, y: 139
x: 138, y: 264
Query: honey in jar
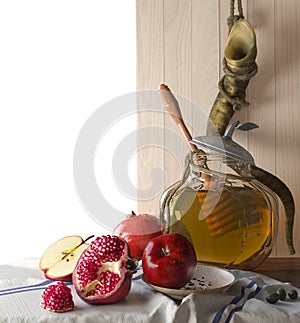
x: 230, y: 220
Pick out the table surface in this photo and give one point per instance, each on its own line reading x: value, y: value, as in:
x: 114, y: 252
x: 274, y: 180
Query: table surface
x: 244, y: 301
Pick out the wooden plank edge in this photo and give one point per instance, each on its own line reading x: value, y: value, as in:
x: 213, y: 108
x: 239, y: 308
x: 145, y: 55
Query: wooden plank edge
x: 280, y: 263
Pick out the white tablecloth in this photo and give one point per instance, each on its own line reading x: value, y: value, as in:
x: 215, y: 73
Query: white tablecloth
x: 244, y: 301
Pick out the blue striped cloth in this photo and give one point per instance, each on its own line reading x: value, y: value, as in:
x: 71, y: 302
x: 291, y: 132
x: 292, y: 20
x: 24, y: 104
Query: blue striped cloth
x: 243, y: 302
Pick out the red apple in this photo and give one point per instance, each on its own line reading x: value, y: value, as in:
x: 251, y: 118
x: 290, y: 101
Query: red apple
x: 169, y: 261
x: 137, y: 230
x: 59, y: 260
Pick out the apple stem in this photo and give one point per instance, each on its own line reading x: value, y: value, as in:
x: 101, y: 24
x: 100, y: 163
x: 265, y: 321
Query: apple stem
x: 90, y: 237
x: 84, y: 241
x: 128, y: 216
x: 164, y: 251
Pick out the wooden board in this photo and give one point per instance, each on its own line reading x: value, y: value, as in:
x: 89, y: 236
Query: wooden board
x: 150, y: 73
x: 177, y: 53
x: 287, y: 98
x: 181, y: 43
x: 283, y: 269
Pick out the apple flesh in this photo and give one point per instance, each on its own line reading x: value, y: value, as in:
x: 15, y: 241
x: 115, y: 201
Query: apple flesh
x: 59, y: 260
x: 169, y: 261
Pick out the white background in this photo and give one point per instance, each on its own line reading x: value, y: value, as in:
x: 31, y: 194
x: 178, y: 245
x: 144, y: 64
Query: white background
x: 60, y: 60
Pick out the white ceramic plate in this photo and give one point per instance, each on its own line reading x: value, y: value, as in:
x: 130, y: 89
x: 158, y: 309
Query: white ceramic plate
x: 207, y: 279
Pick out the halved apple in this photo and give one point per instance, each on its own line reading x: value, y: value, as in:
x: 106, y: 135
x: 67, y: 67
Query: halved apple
x: 59, y: 260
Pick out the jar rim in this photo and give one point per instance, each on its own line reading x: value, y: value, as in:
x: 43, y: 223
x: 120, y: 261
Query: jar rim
x: 199, y: 155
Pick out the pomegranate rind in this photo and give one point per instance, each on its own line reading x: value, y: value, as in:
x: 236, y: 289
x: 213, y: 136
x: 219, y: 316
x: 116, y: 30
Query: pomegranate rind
x: 143, y: 224
x: 101, y: 259
x: 138, y: 230
x: 120, y: 293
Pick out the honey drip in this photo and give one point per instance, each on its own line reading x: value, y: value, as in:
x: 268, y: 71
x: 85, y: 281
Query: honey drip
x: 226, y: 227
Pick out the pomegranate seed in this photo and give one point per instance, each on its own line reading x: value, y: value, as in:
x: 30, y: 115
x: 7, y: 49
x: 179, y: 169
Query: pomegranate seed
x: 57, y: 298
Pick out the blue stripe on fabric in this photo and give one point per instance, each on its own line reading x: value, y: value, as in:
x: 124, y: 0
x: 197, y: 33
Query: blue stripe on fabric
x: 137, y: 277
x: 46, y: 282
x: 239, y: 308
x: 235, y: 300
x: 29, y: 288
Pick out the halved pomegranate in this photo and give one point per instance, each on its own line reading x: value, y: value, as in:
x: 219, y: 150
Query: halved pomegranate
x: 104, y: 271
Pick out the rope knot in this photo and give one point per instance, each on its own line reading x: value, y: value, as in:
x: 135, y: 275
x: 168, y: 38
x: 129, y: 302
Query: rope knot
x: 231, y: 20
x: 232, y: 17
x: 237, y: 103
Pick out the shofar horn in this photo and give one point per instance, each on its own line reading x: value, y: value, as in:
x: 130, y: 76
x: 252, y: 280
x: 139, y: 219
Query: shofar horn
x: 286, y: 197
x: 239, y: 66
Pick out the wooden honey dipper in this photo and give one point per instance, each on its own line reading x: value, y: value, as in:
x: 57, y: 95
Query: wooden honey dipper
x: 234, y: 216
x: 172, y: 106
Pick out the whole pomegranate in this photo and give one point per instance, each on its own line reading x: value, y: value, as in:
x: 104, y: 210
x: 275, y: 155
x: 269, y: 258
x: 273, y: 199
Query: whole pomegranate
x: 104, y: 271
x: 137, y: 230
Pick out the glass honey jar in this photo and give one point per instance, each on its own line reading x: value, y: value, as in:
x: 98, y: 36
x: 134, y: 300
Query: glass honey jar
x: 230, y: 218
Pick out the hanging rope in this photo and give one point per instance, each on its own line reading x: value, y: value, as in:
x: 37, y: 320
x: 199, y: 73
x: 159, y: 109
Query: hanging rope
x: 238, y: 103
x: 232, y: 17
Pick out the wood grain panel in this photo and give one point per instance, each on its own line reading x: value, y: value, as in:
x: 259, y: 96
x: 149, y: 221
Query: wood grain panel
x: 261, y: 91
x: 177, y: 47
x: 150, y: 73
x: 205, y: 61
x: 181, y: 43
x: 287, y: 49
